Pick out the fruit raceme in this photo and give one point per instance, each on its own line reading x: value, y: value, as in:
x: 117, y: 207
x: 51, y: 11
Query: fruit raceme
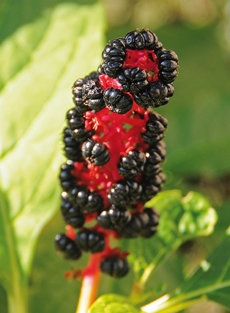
x: 113, y: 143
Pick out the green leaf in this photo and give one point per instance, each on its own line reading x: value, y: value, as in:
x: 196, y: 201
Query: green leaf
x: 39, y: 61
x: 112, y: 303
x: 226, y: 26
x: 181, y: 219
x: 212, y: 280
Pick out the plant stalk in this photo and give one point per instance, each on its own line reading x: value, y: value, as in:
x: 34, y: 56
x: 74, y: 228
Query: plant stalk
x: 89, y: 287
x: 18, y: 299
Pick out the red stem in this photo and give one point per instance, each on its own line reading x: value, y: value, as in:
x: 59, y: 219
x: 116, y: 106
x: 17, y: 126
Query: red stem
x: 89, y: 285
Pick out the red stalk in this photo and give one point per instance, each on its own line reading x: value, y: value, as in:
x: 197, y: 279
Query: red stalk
x: 89, y: 285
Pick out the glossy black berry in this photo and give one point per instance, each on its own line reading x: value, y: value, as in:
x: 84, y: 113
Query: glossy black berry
x: 139, y: 157
x: 81, y: 106
x: 94, y: 203
x: 158, y: 92
x: 71, y: 146
x: 168, y: 64
x: 151, y: 222
x: 133, y: 79
x: 66, y: 178
x: 76, y: 124
x: 156, y: 123
x: 90, y: 240
x: 81, y: 134
x: 135, y: 190
x: 115, y: 267
x: 155, y: 128
x: 113, y: 218
x: 118, y: 194
x: 71, y: 214
x: 149, y: 191
x: 151, y: 169
x: 144, y: 39
x: 156, y: 180
x: 151, y: 40
x: 117, y: 101
x: 95, y: 152
x: 93, y: 95
x: 133, y: 228
x: 156, y: 154
x: 143, y: 98
x: 135, y: 40
x: 141, y: 224
x: 128, y: 167
x: 67, y: 246
x: 91, y: 76
x: 113, y: 57
x: 75, y: 119
x: 87, y: 201
x: 155, y: 95
x: 79, y: 196
x: 152, y: 139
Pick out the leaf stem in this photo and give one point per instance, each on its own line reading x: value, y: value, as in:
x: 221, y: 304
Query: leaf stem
x: 17, y: 299
x: 16, y: 283
x: 89, y: 285
x: 177, y: 307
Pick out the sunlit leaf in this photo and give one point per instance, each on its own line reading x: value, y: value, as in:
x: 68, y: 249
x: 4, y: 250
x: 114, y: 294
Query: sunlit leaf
x: 181, y: 219
x: 111, y: 303
x: 39, y: 62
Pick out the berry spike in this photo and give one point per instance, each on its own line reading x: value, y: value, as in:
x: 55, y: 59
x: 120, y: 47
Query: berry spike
x: 113, y: 143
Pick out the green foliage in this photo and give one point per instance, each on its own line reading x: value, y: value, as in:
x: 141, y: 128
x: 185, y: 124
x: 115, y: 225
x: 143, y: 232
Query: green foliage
x: 39, y: 63
x: 226, y: 25
x: 42, y: 51
x: 112, y: 304
x: 198, y: 113
x: 212, y: 280
x: 181, y: 219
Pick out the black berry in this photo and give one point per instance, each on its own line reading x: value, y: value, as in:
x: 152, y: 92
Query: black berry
x: 66, y: 178
x: 113, y: 218
x: 79, y: 196
x: 94, y: 203
x: 95, y: 152
x: 168, y: 64
x: 135, y: 190
x: 115, y: 267
x: 118, y: 194
x: 128, y: 167
x: 81, y: 106
x: 71, y: 214
x: 155, y: 95
x: 133, y: 79
x: 67, y: 246
x: 117, y: 101
x: 93, y: 94
x: 71, y: 146
x: 113, y: 57
x: 90, y: 240
x: 151, y: 222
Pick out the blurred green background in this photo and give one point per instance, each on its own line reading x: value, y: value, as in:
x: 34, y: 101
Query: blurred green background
x: 198, y: 136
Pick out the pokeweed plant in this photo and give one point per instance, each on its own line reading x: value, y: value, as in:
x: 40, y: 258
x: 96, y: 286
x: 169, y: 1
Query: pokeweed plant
x: 50, y: 54
x: 113, y: 143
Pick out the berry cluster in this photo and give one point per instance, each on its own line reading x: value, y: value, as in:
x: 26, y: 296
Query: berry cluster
x: 113, y: 143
